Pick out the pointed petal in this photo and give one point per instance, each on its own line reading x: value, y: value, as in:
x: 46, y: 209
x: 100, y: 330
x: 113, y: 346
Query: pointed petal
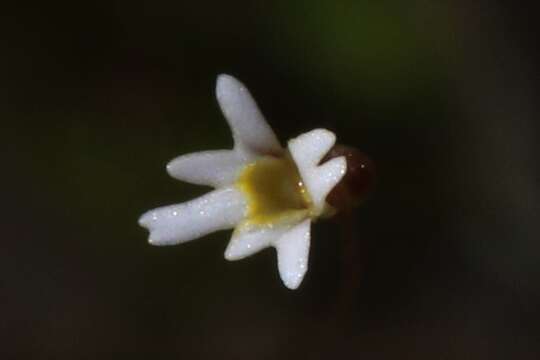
x: 323, y: 179
x: 293, y: 254
x: 214, y: 168
x: 218, y: 210
x: 307, y: 151
x: 247, y: 240
x: 311, y: 147
x: 252, y: 134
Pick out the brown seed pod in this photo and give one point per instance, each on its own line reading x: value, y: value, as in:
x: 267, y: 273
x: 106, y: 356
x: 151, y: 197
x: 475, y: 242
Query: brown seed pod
x: 358, y: 181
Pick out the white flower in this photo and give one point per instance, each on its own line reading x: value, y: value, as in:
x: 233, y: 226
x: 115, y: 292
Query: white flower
x: 270, y: 195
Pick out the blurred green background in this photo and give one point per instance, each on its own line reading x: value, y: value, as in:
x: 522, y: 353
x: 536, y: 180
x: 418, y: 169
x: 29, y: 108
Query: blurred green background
x: 99, y: 96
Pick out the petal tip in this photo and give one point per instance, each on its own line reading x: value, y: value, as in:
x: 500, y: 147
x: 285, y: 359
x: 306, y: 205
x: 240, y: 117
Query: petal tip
x: 236, y: 250
x: 292, y: 284
x: 168, y: 167
x: 176, y: 167
x: 230, y: 254
x: 322, y: 132
x: 336, y: 168
x: 144, y: 220
x: 293, y: 279
x: 224, y: 83
x: 155, y: 242
x: 224, y: 77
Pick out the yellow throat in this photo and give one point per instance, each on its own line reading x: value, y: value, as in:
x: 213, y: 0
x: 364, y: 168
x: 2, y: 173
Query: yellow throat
x: 274, y: 191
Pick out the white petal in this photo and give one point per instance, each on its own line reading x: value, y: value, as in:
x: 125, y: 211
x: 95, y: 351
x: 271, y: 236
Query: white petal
x: 311, y: 147
x: 252, y: 134
x: 293, y: 254
x: 307, y: 151
x: 247, y: 240
x: 218, y: 210
x: 214, y: 168
x: 323, y: 179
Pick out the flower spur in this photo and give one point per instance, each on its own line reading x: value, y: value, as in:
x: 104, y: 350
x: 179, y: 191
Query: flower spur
x: 268, y: 194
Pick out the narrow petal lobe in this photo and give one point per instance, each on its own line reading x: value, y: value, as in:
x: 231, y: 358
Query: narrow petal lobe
x: 252, y: 134
x: 307, y: 151
x: 213, y: 168
x: 247, y: 240
x: 293, y: 254
x: 218, y: 210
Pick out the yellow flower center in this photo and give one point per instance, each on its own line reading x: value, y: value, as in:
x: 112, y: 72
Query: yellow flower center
x: 274, y: 191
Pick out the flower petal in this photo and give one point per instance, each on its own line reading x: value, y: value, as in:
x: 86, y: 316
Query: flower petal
x: 218, y: 210
x: 214, y: 168
x: 252, y: 134
x: 307, y: 151
x: 293, y: 254
x: 247, y: 240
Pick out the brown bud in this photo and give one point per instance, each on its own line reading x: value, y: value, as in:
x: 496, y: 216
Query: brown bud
x: 358, y: 181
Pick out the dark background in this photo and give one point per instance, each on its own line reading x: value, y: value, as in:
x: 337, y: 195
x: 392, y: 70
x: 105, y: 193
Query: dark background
x: 98, y: 96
